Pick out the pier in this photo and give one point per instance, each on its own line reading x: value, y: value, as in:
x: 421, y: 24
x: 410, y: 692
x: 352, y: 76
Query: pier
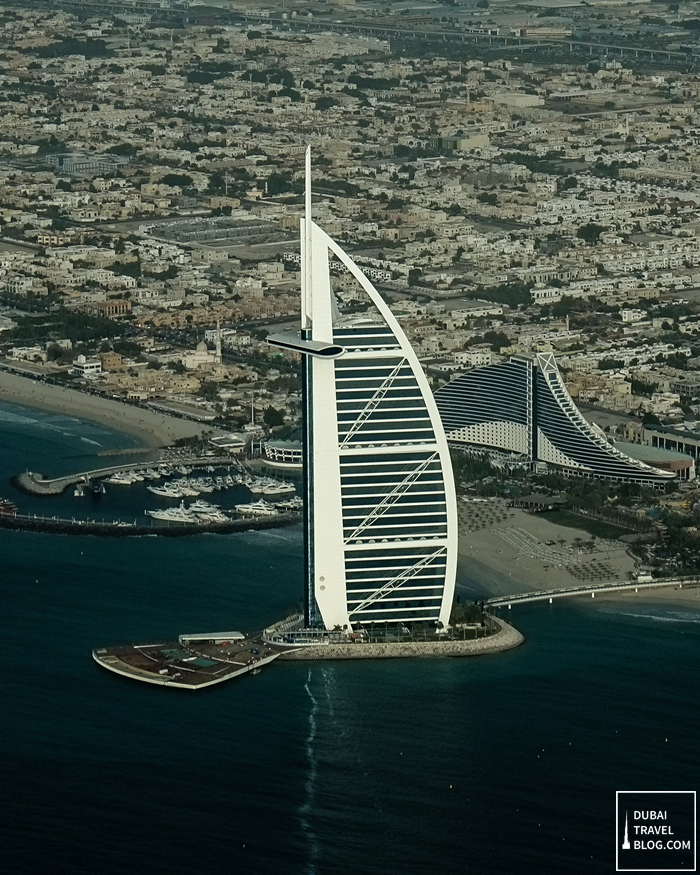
x: 588, y: 589
x: 117, y: 528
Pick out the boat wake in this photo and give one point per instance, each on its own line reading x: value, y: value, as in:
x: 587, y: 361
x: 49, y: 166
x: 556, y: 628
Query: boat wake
x: 268, y: 534
x: 311, y: 782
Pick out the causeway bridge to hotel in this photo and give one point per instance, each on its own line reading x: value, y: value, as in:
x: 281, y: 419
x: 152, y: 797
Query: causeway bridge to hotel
x: 587, y: 589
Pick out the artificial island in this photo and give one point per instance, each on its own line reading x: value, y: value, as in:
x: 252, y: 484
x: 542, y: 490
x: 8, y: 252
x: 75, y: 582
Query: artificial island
x: 380, y: 517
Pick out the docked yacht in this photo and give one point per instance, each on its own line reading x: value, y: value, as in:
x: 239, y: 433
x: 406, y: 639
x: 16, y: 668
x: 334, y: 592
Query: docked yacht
x: 166, y: 491
x: 295, y: 503
x: 283, y: 488
x: 173, y: 515
x: 257, y: 508
x: 186, y: 487
x: 201, y: 506
x: 214, y: 516
x: 121, y: 478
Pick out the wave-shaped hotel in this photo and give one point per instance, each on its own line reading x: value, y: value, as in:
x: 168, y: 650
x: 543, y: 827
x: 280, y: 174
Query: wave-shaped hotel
x: 522, y: 407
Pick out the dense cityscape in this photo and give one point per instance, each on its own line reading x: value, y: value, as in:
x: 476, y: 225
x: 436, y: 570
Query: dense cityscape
x: 349, y: 364
x: 515, y: 181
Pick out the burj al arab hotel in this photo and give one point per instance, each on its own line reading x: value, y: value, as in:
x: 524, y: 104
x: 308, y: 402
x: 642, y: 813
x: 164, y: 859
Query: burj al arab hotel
x: 380, y: 511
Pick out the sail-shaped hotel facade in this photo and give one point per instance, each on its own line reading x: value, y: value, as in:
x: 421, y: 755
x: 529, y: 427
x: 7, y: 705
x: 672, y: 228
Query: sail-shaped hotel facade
x: 381, y: 520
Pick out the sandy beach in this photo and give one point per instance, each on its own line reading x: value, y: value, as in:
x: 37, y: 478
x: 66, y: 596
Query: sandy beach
x: 685, y: 597
x: 514, y: 551
x: 510, y: 551
x: 149, y: 428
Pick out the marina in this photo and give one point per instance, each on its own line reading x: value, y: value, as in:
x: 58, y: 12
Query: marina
x: 190, y: 495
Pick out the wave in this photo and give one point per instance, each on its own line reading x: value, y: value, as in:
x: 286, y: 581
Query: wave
x: 47, y: 422
x: 10, y: 418
x: 88, y: 441
x: 668, y: 617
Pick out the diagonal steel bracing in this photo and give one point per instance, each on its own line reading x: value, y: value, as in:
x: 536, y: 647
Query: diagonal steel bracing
x: 392, y: 497
x: 396, y: 582
x: 372, y: 404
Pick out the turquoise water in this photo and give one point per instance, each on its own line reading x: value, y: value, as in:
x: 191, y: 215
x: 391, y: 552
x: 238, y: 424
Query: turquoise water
x: 499, y: 764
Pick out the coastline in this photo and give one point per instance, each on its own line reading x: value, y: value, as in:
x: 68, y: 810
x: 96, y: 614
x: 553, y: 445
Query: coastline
x: 514, y: 551
x: 491, y: 537
x: 507, y: 638
x: 687, y: 597
x: 150, y: 429
x: 504, y: 551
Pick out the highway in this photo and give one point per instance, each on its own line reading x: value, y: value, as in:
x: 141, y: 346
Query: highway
x: 492, y: 36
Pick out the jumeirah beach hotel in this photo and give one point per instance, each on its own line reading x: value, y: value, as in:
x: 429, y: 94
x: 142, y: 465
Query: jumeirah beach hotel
x: 522, y: 407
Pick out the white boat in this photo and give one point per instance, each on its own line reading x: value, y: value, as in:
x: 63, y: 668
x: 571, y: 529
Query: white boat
x: 279, y: 489
x: 201, y: 506
x: 121, y: 478
x: 79, y: 492
x: 167, y: 491
x: 186, y: 487
x: 257, y: 508
x: 214, y: 516
x: 295, y: 503
x: 174, y: 515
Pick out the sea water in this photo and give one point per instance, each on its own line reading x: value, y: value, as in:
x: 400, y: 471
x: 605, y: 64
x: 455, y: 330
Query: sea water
x: 498, y: 764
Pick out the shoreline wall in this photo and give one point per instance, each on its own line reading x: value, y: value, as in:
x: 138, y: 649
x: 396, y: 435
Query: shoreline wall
x: 505, y: 639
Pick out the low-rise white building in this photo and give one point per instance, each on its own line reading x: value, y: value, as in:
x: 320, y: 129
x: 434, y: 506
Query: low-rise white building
x: 86, y: 367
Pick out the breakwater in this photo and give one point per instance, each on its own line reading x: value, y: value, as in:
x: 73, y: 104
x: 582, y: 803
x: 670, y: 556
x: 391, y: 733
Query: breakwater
x: 506, y: 638
x: 56, y: 525
x: 37, y: 484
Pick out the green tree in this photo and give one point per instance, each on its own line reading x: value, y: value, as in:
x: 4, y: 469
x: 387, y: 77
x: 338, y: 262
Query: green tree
x: 590, y: 232
x: 209, y: 391
x: 181, y: 180
x: 414, y: 275
x: 272, y: 417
